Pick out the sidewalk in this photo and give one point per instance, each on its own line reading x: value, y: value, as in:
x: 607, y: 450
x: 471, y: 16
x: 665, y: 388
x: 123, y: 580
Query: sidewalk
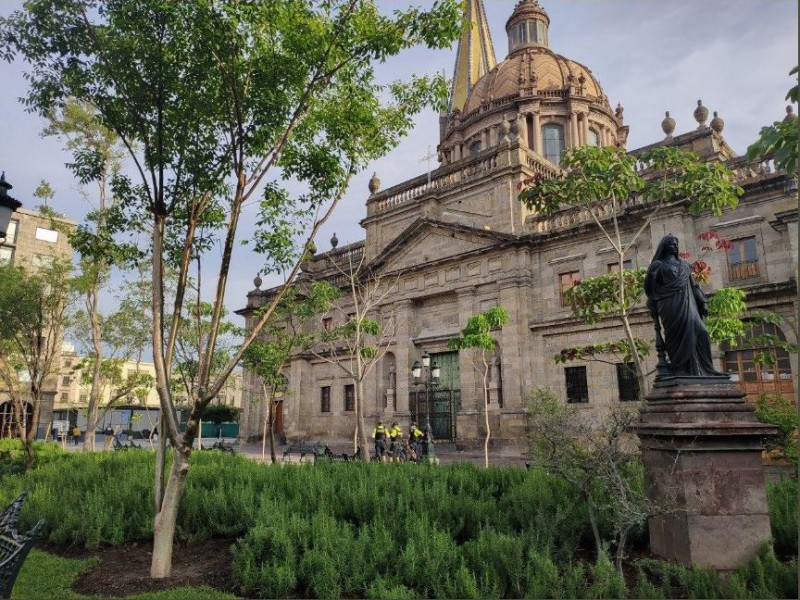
x: 446, y: 452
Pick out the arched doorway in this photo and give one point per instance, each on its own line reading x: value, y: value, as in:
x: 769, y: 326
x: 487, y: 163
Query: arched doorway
x: 757, y: 366
x: 8, y: 425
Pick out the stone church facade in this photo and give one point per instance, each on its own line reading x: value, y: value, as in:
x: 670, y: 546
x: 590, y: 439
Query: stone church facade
x: 457, y: 241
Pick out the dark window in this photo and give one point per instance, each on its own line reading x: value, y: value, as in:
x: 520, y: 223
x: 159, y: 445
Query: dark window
x: 627, y: 264
x: 350, y: 397
x: 475, y: 148
x: 566, y: 281
x: 325, y: 399
x: 627, y: 382
x: 577, y: 388
x: 326, y: 323
x: 553, y: 142
x: 743, y: 259
x: 65, y: 381
x: 594, y: 138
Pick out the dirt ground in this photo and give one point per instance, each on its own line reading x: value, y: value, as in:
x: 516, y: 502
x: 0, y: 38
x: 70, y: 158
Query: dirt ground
x: 125, y: 569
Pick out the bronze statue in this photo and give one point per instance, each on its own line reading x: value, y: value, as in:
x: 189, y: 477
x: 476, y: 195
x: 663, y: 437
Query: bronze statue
x: 678, y: 304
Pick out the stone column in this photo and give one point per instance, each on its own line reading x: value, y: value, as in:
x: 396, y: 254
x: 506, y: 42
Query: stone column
x: 701, y: 449
x: 471, y: 403
x: 585, y: 129
x: 537, y: 134
x: 404, y: 357
x: 484, y: 139
x: 573, y: 130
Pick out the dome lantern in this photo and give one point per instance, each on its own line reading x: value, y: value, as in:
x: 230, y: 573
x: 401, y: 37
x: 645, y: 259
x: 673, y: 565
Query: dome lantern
x: 527, y: 26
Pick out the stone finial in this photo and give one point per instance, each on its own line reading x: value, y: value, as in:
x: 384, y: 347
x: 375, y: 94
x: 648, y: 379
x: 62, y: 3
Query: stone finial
x: 701, y: 114
x: 717, y: 124
x: 790, y: 116
x: 618, y: 112
x: 668, y: 125
x: 257, y: 282
x: 334, y: 241
x: 505, y: 127
x: 374, y: 184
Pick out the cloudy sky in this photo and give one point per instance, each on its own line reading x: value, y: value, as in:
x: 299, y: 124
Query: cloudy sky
x: 649, y: 55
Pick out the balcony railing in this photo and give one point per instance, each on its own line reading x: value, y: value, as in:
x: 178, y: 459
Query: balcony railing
x: 743, y: 270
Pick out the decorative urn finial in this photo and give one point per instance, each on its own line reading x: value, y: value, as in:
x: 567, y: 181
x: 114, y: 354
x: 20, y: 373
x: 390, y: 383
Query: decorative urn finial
x: 334, y: 241
x: 505, y: 127
x: 790, y: 116
x: 717, y: 124
x: 701, y: 114
x: 618, y: 112
x: 374, y: 184
x: 668, y: 125
x: 257, y: 282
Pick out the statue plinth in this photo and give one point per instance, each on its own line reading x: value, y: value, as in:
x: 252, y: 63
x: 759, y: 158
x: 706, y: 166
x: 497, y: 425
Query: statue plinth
x: 701, y: 448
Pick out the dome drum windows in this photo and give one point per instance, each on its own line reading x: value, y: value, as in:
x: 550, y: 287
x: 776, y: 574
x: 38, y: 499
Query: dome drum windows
x: 553, y: 142
x: 526, y: 33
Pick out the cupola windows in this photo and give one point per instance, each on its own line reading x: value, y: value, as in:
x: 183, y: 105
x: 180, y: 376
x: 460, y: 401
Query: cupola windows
x: 593, y: 139
x: 553, y: 142
x: 528, y: 32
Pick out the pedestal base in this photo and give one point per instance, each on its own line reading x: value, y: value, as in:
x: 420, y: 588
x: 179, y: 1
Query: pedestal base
x: 701, y: 449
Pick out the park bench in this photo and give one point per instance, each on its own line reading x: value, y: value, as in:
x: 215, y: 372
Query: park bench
x: 14, y: 546
x: 317, y: 450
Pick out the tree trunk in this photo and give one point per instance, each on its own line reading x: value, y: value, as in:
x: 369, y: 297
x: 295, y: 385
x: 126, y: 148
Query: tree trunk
x: 486, y: 412
x: 637, y: 360
x: 161, y: 460
x: 271, y: 418
x: 165, y: 519
x: 94, y: 392
x: 361, y: 431
x: 593, y: 522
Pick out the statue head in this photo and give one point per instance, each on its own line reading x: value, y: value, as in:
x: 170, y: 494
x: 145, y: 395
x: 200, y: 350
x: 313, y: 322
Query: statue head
x: 668, y: 246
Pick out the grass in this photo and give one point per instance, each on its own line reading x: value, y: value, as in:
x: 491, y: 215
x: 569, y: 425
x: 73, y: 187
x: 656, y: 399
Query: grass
x: 45, y: 576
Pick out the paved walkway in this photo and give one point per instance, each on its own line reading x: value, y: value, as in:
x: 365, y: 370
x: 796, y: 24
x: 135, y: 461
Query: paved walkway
x: 446, y: 452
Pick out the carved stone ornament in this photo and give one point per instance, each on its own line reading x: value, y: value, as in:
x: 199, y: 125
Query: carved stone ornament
x: 668, y: 125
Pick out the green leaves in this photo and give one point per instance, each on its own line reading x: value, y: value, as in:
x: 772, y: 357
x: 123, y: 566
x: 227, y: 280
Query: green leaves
x: 477, y: 333
x: 725, y: 310
x: 780, y: 140
x: 595, y: 298
x: 619, y: 350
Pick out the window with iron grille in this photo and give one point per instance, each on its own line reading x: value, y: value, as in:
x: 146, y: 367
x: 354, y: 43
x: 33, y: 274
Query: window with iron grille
x: 743, y: 259
x: 627, y: 382
x: 577, y: 387
x: 566, y: 281
x: 325, y: 399
x: 350, y: 397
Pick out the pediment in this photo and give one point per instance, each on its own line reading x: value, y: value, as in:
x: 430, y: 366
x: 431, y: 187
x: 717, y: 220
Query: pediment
x: 426, y: 241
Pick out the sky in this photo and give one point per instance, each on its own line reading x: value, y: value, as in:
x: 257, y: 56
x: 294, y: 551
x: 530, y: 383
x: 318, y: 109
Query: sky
x: 651, y: 56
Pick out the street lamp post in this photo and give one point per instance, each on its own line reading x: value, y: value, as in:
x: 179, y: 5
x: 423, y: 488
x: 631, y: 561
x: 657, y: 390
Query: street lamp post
x: 7, y: 206
x: 428, y: 373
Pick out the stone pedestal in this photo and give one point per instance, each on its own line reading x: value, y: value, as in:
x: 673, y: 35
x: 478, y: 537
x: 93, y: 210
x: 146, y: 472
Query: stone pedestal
x: 701, y: 447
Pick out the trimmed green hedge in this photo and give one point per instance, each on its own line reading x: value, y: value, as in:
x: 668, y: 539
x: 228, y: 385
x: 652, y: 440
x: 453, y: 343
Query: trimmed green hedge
x: 378, y: 530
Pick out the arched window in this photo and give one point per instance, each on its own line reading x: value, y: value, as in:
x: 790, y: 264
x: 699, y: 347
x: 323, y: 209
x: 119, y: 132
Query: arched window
x: 475, y: 148
x: 756, y: 365
x: 593, y: 139
x: 553, y: 142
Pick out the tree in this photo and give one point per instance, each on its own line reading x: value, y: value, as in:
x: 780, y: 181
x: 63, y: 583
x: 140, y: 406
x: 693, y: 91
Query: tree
x: 477, y: 336
x: 599, y: 462
x: 98, y: 156
x: 210, y: 98
x: 285, y: 336
x: 781, y: 139
x: 364, y: 335
x: 601, y: 180
x: 33, y: 314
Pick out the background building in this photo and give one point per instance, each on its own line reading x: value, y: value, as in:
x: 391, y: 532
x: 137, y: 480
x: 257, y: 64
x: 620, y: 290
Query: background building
x: 31, y: 241
x: 457, y: 241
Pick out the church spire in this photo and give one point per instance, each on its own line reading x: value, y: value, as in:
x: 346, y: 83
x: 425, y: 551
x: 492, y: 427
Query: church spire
x: 475, y: 56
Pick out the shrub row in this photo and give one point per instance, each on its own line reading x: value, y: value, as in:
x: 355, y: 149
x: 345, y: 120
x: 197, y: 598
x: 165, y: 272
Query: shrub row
x: 378, y: 530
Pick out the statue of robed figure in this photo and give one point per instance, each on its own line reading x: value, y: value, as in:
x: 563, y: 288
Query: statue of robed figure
x: 678, y: 305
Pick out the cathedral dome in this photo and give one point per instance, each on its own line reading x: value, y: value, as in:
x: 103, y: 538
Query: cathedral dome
x: 534, y: 71
x: 556, y: 103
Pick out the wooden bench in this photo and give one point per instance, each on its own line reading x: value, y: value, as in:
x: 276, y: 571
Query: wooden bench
x: 14, y: 546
